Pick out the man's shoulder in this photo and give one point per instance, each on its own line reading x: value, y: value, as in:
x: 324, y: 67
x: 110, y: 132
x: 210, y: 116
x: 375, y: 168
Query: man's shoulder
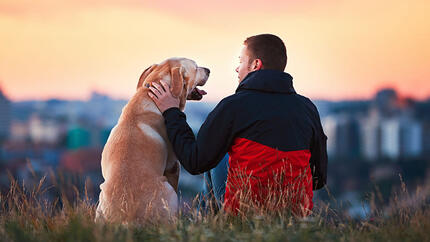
x: 307, y: 101
x: 309, y: 105
x: 230, y: 100
x: 228, y: 104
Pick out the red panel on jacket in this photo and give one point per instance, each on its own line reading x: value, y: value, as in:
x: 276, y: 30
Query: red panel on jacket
x: 266, y: 178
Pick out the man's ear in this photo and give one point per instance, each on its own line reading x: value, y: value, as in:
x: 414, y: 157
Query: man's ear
x: 257, y: 64
x: 177, y: 83
x: 144, y: 75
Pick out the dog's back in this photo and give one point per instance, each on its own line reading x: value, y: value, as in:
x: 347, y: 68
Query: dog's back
x: 133, y: 162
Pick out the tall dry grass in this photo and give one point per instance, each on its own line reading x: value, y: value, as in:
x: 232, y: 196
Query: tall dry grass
x: 27, y: 214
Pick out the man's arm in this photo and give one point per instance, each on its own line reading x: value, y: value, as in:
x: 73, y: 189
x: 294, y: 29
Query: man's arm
x: 214, y: 138
x: 318, y: 161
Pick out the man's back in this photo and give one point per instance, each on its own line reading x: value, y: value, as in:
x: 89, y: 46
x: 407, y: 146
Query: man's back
x: 281, y: 119
x: 273, y: 130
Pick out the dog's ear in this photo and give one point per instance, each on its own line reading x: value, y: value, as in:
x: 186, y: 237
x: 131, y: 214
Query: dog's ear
x: 145, y: 75
x: 177, y: 83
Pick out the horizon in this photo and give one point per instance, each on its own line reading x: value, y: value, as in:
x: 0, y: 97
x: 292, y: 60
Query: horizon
x: 116, y: 98
x: 336, y: 50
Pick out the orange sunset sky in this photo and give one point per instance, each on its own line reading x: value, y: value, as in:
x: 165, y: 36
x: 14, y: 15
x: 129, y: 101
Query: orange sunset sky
x: 336, y: 49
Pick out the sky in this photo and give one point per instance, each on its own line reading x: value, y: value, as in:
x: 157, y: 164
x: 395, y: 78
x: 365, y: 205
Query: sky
x: 337, y: 50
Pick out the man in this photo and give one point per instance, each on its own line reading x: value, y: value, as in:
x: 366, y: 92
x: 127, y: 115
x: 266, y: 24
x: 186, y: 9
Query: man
x: 274, y: 136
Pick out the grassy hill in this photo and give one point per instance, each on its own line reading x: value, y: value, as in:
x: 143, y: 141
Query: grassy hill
x: 26, y: 216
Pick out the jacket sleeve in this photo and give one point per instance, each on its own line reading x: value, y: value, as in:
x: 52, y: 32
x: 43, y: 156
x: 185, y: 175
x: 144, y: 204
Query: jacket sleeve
x: 318, y: 161
x: 213, y: 139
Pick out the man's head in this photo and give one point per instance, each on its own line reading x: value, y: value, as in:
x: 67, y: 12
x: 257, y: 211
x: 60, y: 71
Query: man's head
x: 262, y: 52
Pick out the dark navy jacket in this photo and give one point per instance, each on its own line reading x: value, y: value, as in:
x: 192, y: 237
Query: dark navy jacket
x: 264, y: 120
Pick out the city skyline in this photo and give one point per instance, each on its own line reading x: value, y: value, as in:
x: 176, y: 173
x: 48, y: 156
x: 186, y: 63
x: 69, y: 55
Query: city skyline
x: 337, y: 50
x: 90, y: 94
x: 386, y: 127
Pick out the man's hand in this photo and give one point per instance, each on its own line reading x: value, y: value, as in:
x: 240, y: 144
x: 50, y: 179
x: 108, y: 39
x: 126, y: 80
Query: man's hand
x: 162, y: 96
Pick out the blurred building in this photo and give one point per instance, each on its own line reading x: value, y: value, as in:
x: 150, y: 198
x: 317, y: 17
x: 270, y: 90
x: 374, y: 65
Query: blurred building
x: 43, y: 131
x: 401, y: 137
x: 426, y: 138
x: 390, y: 138
x: 423, y: 115
x: 401, y: 132
x: 329, y: 124
x: 411, y: 138
x: 391, y: 130
x: 19, y: 132
x: 78, y: 137
x: 103, y: 110
x: 386, y: 101
x: 343, y: 136
x: 371, y: 136
x: 5, y: 116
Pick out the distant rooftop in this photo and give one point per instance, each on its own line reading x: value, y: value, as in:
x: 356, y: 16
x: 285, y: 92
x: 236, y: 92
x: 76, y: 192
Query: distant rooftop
x: 2, y: 95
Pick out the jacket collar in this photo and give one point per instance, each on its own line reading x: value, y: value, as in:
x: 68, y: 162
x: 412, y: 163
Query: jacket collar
x: 268, y: 81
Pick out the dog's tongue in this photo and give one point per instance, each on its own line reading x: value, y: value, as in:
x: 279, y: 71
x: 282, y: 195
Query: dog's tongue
x: 202, y: 92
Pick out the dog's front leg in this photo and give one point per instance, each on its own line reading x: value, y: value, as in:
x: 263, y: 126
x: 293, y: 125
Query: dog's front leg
x: 172, y: 175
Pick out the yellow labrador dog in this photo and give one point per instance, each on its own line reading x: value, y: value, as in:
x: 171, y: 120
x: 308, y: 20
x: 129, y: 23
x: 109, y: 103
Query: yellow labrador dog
x: 139, y: 166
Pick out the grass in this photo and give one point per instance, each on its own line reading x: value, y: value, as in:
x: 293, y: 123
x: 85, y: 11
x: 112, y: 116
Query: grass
x: 26, y: 215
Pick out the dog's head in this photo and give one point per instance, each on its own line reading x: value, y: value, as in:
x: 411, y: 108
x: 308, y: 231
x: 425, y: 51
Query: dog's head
x: 182, y: 75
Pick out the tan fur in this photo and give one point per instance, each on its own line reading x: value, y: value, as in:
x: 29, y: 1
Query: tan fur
x: 139, y: 166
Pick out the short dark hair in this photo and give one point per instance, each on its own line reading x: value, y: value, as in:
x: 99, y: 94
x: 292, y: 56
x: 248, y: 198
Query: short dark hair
x: 269, y: 48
